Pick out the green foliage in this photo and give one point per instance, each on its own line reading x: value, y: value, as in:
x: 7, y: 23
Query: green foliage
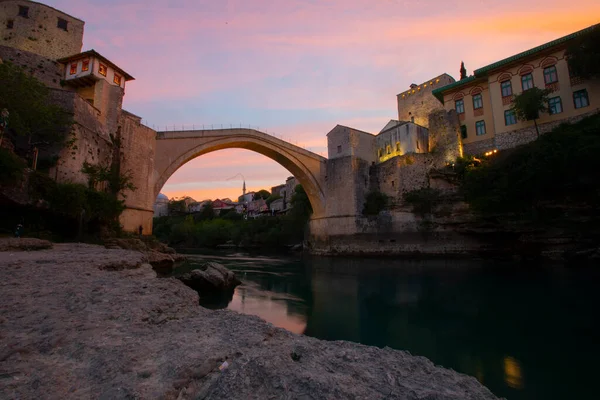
x: 375, y: 202
x: 79, y: 207
x: 11, y: 167
x: 528, y: 105
x: 583, y: 55
x: 272, y: 198
x: 207, y: 212
x: 559, y: 168
x: 301, y: 207
x: 266, y: 232
x: 32, y: 113
x: 177, y: 206
x: 261, y: 194
x: 117, y: 183
x: 465, y: 164
x: 423, y: 201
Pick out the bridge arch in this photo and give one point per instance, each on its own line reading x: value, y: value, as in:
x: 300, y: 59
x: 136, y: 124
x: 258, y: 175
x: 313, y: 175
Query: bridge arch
x: 175, y: 149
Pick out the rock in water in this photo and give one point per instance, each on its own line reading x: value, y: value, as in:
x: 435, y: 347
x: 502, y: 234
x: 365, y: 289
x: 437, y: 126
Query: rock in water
x: 210, y: 278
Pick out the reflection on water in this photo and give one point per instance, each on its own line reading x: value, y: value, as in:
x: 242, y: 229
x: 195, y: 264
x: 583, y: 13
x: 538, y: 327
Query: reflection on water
x: 512, y: 373
x: 524, y: 332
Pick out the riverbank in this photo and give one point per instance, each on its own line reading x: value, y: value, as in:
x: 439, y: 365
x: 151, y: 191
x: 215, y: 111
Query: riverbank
x: 82, y: 321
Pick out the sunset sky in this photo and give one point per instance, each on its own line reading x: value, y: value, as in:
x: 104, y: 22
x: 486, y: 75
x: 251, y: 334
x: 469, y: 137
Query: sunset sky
x: 297, y: 68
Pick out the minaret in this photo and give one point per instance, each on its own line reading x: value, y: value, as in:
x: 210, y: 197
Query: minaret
x: 244, y: 188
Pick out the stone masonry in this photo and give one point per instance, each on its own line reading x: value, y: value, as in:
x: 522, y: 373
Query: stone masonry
x: 34, y: 27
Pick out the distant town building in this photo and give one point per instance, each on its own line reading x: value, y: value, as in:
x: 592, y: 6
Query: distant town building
x: 161, y: 206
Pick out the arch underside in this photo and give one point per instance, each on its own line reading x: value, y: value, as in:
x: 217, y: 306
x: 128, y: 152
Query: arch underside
x: 301, y: 167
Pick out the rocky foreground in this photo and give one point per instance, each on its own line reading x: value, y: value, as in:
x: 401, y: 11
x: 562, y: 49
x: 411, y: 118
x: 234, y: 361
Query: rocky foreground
x: 81, y: 321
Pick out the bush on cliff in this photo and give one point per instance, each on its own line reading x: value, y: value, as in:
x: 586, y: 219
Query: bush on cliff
x: 32, y: 114
x: 561, y: 168
x: 375, y: 202
x: 11, y: 167
x: 423, y: 201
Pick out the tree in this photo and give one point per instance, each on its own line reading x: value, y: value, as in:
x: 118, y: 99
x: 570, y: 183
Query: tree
x: 583, y: 55
x: 272, y: 198
x: 301, y: 206
x: 207, y: 212
x: 261, y: 194
x: 32, y: 113
x: 528, y: 105
x: 177, y: 206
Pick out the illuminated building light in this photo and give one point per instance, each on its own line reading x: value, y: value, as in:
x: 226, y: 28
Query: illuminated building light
x: 495, y: 151
x: 431, y: 83
x: 437, y: 80
x: 425, y: 85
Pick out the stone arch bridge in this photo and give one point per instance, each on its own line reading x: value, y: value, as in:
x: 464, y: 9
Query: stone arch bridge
x: 174, y: 149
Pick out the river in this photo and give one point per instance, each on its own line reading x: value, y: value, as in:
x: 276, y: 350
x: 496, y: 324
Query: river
x: 525, y: 332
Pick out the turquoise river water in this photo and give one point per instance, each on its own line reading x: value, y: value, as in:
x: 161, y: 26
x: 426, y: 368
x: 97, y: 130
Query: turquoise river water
x: 525, y: 332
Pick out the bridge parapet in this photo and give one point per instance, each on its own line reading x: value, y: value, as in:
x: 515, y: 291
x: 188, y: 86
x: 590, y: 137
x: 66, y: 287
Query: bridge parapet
x: 232, y: 132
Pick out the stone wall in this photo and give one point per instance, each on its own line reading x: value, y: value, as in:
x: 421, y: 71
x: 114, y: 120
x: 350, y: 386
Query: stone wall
x: 343, y: 142
x: 508, y: 140
x: 38, y: 32
x: 91, y: 141
x: 396, y: 232
x: 479, y: 147
x: 138, y: 149
x: 417, y: 103
x: 47, y: 71
x: 401, y: 174
x: 444, y: 137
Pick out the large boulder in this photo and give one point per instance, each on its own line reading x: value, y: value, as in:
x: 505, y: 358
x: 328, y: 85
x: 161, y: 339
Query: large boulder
x: 210, y: 278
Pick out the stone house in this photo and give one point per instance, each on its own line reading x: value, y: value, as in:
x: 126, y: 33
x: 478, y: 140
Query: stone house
x: 483, y: 100
x: 48, y: 43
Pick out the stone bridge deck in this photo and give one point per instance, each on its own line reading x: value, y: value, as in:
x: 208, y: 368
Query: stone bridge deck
x: 174, y: 149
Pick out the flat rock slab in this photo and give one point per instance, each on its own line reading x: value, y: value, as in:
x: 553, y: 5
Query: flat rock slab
x: 23, y: 244
x: 81, y: 321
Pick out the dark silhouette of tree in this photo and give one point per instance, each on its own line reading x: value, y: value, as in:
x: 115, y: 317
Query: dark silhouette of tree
x: 261, y: 194
x: 583, y: 55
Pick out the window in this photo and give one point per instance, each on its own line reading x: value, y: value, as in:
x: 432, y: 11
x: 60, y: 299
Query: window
x: 527, y: 81
x: 339, y: 149
x: 102, y: 69
x: 460, y: 106
x: 477, y: 101
x: 10, y: 24
x: 380, y: 153
x: 550, y: 75
x: 117, y: 79
x: 398, y: 146
x: 580, y: 98
x: 509, y: 117
x: 62, y: 24
x: 73, y: 69
x: 463, y: 131
x: 506, y: 88
x: 85, y: 65
x: 24, y: 11
x: 388, y: 149
x: 480, y: 128
x: 554, y: 105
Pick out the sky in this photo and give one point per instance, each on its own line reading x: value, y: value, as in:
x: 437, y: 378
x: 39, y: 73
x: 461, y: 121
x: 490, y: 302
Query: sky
x: 296, y: 68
